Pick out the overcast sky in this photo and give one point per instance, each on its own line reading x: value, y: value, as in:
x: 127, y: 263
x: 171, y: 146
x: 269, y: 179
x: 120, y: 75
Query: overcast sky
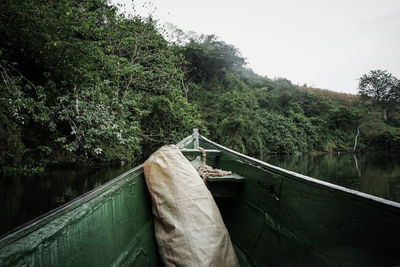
x: 326, y: 44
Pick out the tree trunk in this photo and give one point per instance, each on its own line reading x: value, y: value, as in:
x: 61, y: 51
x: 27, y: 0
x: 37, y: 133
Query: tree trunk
x: 356, y: 139
x: 185, y: 90
x: 384, y: 113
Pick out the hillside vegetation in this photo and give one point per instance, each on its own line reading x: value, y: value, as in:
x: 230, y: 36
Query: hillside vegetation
x: 82, y: 84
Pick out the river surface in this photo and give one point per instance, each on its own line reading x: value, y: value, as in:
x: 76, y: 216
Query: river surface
x: 375, y: 174
x: 24, y: 198
x: 27, y: 197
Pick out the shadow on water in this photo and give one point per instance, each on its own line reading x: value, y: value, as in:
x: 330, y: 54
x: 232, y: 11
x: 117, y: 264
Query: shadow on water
x: 24, y: 198
x: 375, y: 174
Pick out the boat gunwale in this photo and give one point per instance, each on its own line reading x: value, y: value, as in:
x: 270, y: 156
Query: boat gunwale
x: 34, y: 224
x: 291, y: 174
x: 184, y: 141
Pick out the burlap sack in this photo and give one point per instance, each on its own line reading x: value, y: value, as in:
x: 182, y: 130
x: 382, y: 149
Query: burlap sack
x: 188, y: 225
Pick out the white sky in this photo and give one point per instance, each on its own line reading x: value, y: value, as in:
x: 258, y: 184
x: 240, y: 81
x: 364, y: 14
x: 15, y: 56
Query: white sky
x: 327, y: 44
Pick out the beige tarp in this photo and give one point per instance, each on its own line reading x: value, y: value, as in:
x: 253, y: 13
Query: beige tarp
x: 188, y: 225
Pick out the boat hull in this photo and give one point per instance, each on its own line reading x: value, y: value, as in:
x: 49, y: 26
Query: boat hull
x: 109, y: 226
x: 286, y: 219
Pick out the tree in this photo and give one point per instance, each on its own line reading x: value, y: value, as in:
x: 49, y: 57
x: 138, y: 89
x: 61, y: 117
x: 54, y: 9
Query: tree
x: 208, y: 57
x: 81, y: 83
x: 381, y: 87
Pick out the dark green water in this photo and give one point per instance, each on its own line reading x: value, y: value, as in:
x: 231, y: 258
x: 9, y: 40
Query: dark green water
x: 375, y: 174
x: 24, y: 198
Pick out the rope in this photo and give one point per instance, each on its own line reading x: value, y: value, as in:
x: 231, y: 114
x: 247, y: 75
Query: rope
x: 206, y: 171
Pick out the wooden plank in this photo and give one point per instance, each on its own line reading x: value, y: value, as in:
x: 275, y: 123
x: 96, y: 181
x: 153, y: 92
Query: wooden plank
x: 228, y: 178
x: 196, y: 152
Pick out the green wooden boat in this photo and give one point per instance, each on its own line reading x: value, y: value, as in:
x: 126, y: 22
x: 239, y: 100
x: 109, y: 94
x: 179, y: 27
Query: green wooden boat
x: 275, y: 218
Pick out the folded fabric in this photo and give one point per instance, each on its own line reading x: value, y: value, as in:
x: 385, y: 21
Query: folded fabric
x: 188, y: 225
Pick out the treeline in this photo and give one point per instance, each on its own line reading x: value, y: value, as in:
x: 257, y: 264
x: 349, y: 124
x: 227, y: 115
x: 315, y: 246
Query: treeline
x: 83, y: 84
x: 257, y: 115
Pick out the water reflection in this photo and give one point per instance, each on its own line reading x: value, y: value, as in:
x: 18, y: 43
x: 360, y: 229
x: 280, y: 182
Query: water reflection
x: 25, y: 198
x: 375, y: 174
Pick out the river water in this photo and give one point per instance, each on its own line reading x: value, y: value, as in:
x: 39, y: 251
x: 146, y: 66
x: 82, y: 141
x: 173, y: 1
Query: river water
x: 375, y: 174
x: 27, y: 197
x: 24, y: 198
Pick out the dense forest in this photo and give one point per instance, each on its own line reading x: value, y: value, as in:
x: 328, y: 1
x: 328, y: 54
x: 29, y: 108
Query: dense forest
x: 83, y: 84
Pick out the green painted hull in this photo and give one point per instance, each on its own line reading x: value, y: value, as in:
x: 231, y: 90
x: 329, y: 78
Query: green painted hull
x: 286, y: 219
x: 110, y: 226
x: 278, y: 218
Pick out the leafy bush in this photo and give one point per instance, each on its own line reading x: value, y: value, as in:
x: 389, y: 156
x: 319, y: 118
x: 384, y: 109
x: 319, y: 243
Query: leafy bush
x: 84, y: 84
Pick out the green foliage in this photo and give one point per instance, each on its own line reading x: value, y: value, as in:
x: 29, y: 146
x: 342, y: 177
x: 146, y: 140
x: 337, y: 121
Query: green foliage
x: 381, y: 86
x: 257, y: 115
x: 207, y: 57
x: 378, y: 135
x: 81, y: 84
x: 246, y: 112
